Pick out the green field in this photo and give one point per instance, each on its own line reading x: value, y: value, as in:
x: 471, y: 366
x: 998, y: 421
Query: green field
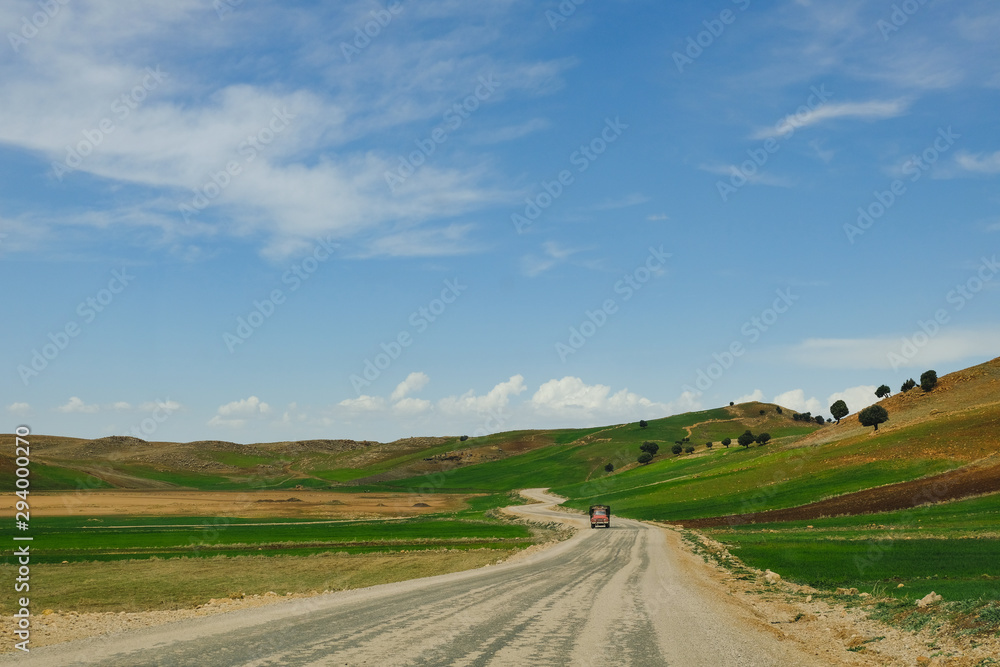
x: 950, y: 548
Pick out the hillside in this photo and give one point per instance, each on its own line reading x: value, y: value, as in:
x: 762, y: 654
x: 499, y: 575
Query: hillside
x: 948, y: 435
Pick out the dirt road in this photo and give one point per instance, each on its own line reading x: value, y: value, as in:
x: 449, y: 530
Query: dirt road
x: 623, y: 596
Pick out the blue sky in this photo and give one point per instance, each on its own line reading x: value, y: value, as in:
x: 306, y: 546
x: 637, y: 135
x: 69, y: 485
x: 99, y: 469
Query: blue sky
x: 258, y: 221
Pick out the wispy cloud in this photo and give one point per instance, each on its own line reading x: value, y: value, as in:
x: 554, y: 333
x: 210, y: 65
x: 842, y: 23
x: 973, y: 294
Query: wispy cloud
x: 979, y: 163
x: 632, y: 199
x: 533, y: 265
x: 872, y: 110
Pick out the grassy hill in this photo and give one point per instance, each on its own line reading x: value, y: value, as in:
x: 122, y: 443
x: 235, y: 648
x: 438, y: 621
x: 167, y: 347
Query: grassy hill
x: 941, y: 435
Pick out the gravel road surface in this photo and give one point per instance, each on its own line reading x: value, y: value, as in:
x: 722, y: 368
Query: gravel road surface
x: 624, y: 596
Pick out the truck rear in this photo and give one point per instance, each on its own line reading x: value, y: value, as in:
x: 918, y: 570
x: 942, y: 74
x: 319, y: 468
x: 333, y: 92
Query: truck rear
x: 600, y: 516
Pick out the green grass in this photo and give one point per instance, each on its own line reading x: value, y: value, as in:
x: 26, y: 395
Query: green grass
x: 75, y: 539
x: 50, y: 477
x: 954, y: 568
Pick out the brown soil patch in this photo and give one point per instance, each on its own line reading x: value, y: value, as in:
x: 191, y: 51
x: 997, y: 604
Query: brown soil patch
x: 954, y: 484
x: 286, y: 503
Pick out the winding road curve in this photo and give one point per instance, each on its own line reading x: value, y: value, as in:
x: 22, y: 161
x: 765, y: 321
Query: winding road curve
x: 625, y: 596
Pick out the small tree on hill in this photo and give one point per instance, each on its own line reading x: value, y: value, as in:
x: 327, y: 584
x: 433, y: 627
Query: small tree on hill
x: 689, y: 449
x: 819, y: 420
x: 731, y: 403
x: 609, y: 467
x: 778, y: 410
x: 928, y: 380
x: 762, y: 439
x: 708, y: 444
x: 726, y: 442
x: 883, y: 391
x: 676, y: 449
x: 763, y: 412
x: 464, y: 438
x: 746, y: 439
x: 645, y: 458
x: 839, y: 410
x: 643, y: 423
x: 873, y: 415
x: 650, y: 447
x: 908, y: 385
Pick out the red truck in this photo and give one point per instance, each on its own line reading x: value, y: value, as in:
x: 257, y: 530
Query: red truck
x: 600, y: 515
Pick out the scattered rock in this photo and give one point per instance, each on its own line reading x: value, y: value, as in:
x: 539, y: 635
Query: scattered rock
x: 929, y: 599
x: 900, y: 586
x: 847, y: 591
x: 864, y: 595
x: 809, y: 598
x: 771, y: 577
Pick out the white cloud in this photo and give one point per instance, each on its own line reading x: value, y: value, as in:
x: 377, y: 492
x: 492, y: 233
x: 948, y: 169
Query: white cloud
x: 122, y: 405
x: 411, y: 406
x: 755, y: 395
x: 979, y: 163
x: 76, y: 405
x: 363, y: 403
x: 19, y: 408
x: 872, y: 110
x: 413, y: 382
x: 247, y: 407
x: 657, y: 217
x: 238, y: 413
x: 796, y: 400
x: 856, y: 398
x: 570, y: 397
x: 495, y: 400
